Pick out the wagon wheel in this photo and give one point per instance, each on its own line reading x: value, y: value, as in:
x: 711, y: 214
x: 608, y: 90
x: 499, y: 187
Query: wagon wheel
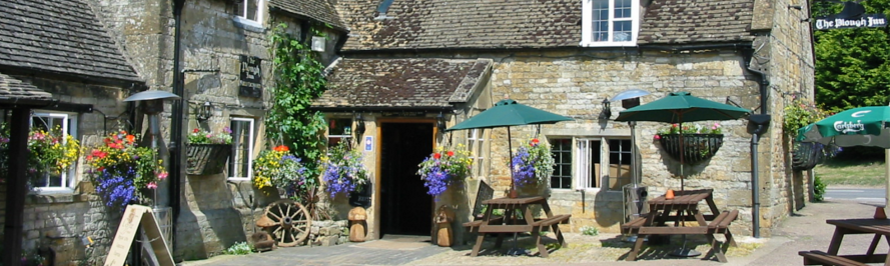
x: 290, y: 222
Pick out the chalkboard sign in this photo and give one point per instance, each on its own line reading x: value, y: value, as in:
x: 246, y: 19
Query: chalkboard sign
x: 251, y: 77
x: 361, y: 198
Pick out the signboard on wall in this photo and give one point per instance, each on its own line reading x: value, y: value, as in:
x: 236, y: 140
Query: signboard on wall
x: 251, y: 77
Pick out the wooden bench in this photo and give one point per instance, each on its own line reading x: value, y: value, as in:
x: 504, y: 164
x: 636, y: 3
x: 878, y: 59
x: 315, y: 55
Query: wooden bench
x: 816, y: 257
x: 719, y: 225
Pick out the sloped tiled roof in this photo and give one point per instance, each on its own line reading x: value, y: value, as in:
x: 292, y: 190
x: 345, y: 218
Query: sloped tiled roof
x: 462, y: 24
x: 492, y: 24
x: 402, y: 83
x: 320, y: 10
x: 690, y: 21
x: 11, y: 88
x: 60, y: 36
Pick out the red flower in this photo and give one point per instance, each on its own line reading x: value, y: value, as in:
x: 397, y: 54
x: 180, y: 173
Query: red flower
x: 281, y: 148
x: 535, y: 142
x: 450, y: 153
x: 131, y: 139
x: 195, y: 130
x: 437, y: 155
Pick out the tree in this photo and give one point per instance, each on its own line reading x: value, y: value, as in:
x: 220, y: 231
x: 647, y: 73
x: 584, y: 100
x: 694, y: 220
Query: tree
x: 852, y: 66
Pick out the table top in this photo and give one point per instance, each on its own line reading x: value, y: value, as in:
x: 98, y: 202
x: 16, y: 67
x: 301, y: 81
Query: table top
x: 870, y: 225
x: 683, y: 197
x: 514, y: 201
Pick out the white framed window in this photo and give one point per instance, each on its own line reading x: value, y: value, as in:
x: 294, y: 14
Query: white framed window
x: 250, y: 12
x: 243, y: 136
x: 339, y: 129
x: 591, y: 163
x: 610, y: 22
x: 67, y: 123
x: 477, y: 145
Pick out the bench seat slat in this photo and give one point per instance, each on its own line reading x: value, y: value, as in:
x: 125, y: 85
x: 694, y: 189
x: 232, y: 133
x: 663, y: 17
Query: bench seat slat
x: 819, y: 257
x: 552, y: 220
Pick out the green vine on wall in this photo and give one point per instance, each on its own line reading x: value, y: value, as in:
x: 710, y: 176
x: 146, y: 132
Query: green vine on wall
x: 800, y: 113
x: 299, y: 79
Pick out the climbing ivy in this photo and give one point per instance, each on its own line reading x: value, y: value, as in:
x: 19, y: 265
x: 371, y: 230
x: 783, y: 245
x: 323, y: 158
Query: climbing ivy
x: 299, y: 79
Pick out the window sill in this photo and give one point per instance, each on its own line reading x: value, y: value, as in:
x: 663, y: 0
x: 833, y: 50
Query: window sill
x: 248, y: 25
x: 59, y: 196
x: 608, y: 44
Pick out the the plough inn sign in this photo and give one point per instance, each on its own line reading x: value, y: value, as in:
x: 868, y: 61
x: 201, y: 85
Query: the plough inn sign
x: 852, y: 16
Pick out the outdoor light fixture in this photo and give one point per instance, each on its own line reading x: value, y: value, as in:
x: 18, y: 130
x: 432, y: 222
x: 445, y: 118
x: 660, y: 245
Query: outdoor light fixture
x: 152, y: 101
x: 204, y: 112
x: 607, y: 109
x: 440, y: 122
x: 359, y: 124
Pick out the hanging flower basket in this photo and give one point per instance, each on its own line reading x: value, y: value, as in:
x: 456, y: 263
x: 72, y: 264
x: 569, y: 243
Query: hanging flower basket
x: 807, y: 155
x: 207, y: 159
x: 696, y: 147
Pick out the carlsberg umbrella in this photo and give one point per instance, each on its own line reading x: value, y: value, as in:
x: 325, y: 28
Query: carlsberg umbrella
x: 863, y: 126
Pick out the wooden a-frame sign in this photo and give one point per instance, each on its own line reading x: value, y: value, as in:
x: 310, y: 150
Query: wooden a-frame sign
x: 134, y: 217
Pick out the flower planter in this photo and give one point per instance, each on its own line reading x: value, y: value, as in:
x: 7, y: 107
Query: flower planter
x: 806, y: 155
x: 207, y: 159
x: 696, y: 147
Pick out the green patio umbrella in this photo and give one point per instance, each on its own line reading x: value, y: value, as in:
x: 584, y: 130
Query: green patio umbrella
x: 863, y: 126
x: 679, y: 107
x: 676, y: 108
x: 506, y: 113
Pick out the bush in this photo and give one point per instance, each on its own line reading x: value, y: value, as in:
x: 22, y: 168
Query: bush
x: 589, y: 231
x: 239, y: 248
x: 819, y: 194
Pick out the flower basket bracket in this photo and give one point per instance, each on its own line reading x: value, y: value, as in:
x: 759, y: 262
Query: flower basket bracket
x: 696, y: 147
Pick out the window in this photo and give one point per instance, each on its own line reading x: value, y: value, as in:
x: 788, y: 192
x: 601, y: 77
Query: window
x: 339, y: 129
x: 580, y: 166
x: 476, y: 143
x: 241, y: 161
x: 562, y: 168
x: 249, y: 11
x: 62, y: 182
x: 610, y: 22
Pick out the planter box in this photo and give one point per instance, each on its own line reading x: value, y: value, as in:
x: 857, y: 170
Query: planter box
x: 696, y: 147
x: 806, y: 155
x: 207, y: 159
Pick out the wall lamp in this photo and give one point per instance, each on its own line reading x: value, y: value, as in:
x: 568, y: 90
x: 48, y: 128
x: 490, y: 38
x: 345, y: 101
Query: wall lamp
x: 359, y: 124
x: 607, y: 108
x: 204, y: 112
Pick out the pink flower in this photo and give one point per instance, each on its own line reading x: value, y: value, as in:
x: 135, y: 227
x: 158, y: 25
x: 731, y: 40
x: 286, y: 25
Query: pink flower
x: 152, y: 185
x: 162, y: 175
x: 657, y: 137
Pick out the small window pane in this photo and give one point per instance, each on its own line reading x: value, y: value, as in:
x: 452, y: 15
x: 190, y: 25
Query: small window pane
x: 562, y: 155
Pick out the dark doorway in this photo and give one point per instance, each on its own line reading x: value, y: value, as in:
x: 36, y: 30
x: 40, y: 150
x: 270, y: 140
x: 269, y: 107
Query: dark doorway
x: 406, y: 209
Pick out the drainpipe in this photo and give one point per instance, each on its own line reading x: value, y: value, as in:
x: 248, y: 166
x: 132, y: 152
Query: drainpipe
x: 761, y: 121
x: 176, y: 121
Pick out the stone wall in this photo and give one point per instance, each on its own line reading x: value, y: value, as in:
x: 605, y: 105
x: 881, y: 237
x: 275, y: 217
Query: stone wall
x: 62, y: 221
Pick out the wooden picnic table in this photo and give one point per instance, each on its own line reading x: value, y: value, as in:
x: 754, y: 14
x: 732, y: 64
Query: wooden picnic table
x: 683, y: 207
x: 509, y: 223
x: 879, y: 227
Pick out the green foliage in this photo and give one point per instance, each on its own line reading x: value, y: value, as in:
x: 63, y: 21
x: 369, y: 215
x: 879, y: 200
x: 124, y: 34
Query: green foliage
x: 819, y: 194
x: 800, y: 113
x: 852, y: 69
x: 239, y: 248
x: 299, y: 79
x: 589, y: 231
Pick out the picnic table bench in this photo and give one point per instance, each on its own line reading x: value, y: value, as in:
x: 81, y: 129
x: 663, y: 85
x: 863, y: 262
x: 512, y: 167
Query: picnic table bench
x: 880, y: 228
x: 683, y: 207
x: 509, y: 224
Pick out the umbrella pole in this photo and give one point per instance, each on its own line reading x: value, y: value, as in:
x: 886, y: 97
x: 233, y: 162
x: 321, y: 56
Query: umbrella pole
x: 683, y: 251
x: 515, y: 250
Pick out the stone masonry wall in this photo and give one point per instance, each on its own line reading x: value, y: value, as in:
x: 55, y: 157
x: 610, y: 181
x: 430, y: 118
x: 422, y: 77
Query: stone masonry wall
x: 62, y: 221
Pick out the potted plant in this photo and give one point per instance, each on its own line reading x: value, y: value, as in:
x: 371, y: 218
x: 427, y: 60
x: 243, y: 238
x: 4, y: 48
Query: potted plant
x: 51, y: 154
x: 279, y: 168
x: 343, y: 171
x: 699, y: 142
x: 444, y: 168
x: 207, y: 152
x: 123, y: 172
x: 805, y: 155
x: 532, y: 164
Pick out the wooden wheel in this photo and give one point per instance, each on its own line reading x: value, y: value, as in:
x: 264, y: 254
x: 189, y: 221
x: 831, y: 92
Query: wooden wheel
x: 290, y: 222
